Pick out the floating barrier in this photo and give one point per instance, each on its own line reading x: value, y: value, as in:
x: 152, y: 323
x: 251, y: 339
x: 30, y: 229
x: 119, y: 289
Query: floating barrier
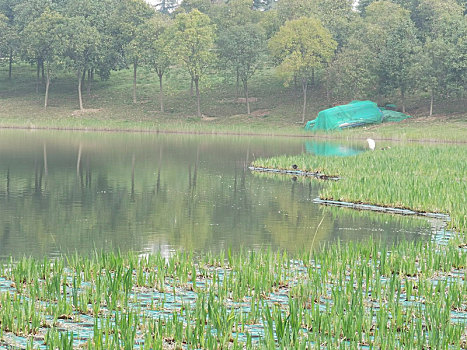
x: 390, y: 210
x: 295, y: 172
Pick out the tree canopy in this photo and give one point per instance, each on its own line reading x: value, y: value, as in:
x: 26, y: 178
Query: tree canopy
x: 386, y: 49
x: 194, y: 41
x: 302, y: 46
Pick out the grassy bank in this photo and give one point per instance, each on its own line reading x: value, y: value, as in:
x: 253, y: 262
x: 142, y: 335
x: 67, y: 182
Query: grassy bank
x: 275, y: 109
x: 420, y: 177
x: 408, y: 296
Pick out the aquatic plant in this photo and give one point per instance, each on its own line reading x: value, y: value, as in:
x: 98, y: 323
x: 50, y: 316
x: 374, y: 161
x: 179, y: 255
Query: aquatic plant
x: 420, y: 177
x: 408, y: 295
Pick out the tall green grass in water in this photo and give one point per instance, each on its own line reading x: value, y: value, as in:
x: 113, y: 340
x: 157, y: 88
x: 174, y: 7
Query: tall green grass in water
x: 409, y: 295
x: 420, y: 177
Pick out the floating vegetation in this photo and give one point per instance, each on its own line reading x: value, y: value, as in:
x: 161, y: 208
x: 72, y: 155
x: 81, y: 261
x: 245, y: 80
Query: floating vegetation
x: 409, y: 295
x: 422, y: 178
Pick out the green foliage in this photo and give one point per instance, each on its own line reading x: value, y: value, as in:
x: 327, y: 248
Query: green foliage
x: 241, y: 47
x: 397, y: 58
x: 194, y: 40
x: 3, y: 34
x: 263, y: 4
x: 353, y: 71
x: 126, y: 18
x: 233, y: 13
x: 293, y: 9
x: 302, y: 46
x: 200, y: 5
x: 403, y: 41
x: 43, y: 38
x: 444, y: 49
x: 81, y: 44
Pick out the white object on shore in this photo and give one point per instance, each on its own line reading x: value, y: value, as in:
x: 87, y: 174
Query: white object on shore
x: 371, y: 144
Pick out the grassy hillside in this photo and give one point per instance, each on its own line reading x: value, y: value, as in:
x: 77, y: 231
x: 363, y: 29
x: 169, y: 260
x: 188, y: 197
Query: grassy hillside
x: 275, y: 108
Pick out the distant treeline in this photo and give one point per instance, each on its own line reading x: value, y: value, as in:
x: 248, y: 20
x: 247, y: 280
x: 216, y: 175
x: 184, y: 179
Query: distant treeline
x: 364, y: 51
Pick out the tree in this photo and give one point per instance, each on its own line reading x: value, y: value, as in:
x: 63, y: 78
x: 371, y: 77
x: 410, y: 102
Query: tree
x: 10, y: 33
x: 194, y: 38
x: 293, y: 9
x: 337, y: 16
x: 44, y: 40
x: 431, y: 16
x: 232, y: 13
x: 153, y: 41
x: 81, y: 43
x: 25, y: 13
x: 241, y: 47
x: 353, y: 74
x: 200, y: 5
x: 301, y: 46
x: 392, y: 37
x: 445, y: 46
x: 166, y: 6
x: 128, y: 15
x: 263, y: 5
x: 397, y: 61
x: 4, y: 33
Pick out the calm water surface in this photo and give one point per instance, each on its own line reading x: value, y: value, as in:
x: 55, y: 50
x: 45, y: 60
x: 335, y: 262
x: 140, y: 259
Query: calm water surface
x: 68, y: 191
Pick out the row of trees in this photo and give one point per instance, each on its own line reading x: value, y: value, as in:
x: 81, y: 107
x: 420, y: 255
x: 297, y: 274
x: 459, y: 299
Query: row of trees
x: 380, y: 48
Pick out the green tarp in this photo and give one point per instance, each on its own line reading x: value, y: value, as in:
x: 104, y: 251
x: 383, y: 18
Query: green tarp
x: 356, y: 113
x: 393, y: 116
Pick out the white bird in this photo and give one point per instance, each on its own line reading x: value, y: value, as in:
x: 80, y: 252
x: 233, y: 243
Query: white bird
x: 371, y: 144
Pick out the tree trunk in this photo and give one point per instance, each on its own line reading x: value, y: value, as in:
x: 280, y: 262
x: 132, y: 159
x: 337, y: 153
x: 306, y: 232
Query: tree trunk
x: 89, y: 82
x: 191, y: 88
x: 135, y: 66
x: 328, y: 91
x: 403, y: 100
x: 196, y: 80
x: 10, y: 63
x: 38, y: 71
x: 245, y: 89
x: 47, y: 84
x: 161, y: 92
x: 79, y: 89
x: 431, y: 101
x: 42, y: 70
x: 304, y: 88
x: 237, y: 85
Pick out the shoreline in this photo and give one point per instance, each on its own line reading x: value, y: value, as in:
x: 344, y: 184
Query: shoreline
x: 218, y: 131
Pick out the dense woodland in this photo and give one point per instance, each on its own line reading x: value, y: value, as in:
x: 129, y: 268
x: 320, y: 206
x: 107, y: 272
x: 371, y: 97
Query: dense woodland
x: 366, y: 50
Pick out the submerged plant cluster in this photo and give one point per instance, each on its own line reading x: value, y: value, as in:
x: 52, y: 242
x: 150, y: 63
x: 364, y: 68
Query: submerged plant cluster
x: 418, y: 177
x: 407, y: 296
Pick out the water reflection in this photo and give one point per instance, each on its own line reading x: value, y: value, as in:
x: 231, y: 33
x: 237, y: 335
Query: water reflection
x: 333, y: 149
x: 63, y: 192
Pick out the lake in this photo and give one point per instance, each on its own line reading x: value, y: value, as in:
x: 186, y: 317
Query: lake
x: 63, y: 192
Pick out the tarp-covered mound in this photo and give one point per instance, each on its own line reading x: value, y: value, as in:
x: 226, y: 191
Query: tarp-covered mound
x: 356, y: 113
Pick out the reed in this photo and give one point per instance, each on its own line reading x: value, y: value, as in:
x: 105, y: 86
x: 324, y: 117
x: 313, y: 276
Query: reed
x: 420, y: 177
x: 408, y: 295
